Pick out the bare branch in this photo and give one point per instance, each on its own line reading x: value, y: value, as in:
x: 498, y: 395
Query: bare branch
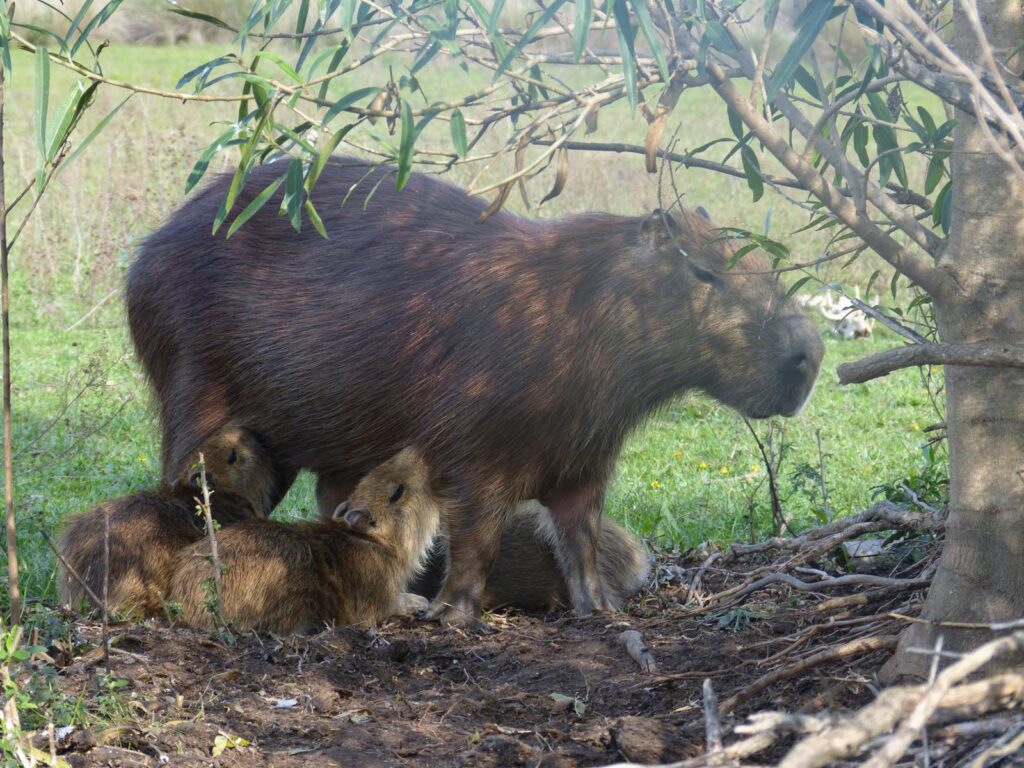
x: 884, y: 363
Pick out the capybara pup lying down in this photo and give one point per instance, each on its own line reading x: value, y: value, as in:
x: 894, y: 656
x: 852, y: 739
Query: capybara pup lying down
x: 148, y: 529
x: 526, y: 572
x: 282, y: 577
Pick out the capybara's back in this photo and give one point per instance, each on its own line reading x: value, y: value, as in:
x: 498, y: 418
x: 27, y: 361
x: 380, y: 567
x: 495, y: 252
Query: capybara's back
x: 517, y: 354
x: 282, y: 577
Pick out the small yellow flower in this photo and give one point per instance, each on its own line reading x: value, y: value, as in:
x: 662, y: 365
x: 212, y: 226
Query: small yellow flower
x: 655, y: 484
x: 724, y: 470
x: 755, y: 467
x: 142, y: 459
x: 703, y: 465
x: 914, y: 427
x: 678, y: 454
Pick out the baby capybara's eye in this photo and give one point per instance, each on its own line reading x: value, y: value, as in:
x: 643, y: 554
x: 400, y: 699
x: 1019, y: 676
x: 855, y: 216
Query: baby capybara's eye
x: 397, y: 494
x: 233, y: 456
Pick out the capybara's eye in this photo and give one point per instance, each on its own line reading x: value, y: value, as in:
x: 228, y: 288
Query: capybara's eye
x: 233, y: 456
x: 397, y: 494
x: 704, y: 275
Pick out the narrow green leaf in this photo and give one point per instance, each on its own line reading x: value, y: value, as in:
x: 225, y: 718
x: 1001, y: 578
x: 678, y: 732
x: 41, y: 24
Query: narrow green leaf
x: 458, y: 126
x: 810, y: 22
x: 797, y: 286
x: 936, y: 171
x: 348, y: 100
x: 294, y: 193
x: 5, y: 39
x: 643, y: 18
x: 313, y: 175
x: 94, y: 133
x: 42, y: 99
x: 492, y: 23
x: 537, y: 25
x: 281, y: 64
x: 581, y: 30
x: 752, y: 168
x: 257, y: 202
x: 625, y: 32
x: 336, y: 58
x: 314, y: 217
x: 78, y: 98
x: 199, y: 169
x: 75, y: 22
x: 943, y: 211
x: 405, y: 147
x: 204, y: 17
x: 927, y: 120
x: 300, y: 20
x: 97, y: 21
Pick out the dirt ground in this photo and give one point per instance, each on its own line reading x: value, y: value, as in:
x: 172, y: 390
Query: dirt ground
x: 528, y: 690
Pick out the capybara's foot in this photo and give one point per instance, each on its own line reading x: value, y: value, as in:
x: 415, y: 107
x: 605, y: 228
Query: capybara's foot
x: 453, y: 615
x: 409, y: 604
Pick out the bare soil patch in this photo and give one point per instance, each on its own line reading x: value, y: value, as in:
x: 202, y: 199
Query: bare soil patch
x: 528, y: 690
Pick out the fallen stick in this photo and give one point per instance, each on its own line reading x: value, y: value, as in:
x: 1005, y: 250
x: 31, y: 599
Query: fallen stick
x: 853, y: 648
x: 638, y: 650
x: 838, y: 581
x: 712, y: 719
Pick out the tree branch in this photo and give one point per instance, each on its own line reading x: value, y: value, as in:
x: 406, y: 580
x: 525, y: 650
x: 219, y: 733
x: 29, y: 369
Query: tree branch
x: 988, y: 355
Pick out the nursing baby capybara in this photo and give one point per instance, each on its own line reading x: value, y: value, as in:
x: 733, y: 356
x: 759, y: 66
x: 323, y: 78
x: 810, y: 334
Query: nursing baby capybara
x: 281, y: 577
x: 526, y: 573
x: 517, y: 354
x: 148, y: 529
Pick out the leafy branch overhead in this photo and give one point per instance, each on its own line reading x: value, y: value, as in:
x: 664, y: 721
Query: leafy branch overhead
x: 842, y: 107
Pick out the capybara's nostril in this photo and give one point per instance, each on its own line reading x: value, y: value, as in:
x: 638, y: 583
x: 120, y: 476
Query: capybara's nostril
x: 798, y: 362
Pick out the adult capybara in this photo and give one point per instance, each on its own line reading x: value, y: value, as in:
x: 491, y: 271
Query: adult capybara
x: 526, y: 573
x: 517, y: 354
x: 147, y: 529
x: 281, y: 577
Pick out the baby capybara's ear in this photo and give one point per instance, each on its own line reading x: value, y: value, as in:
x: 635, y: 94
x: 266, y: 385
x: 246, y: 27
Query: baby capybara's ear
x: 659, y: 229
x: 355, y: 519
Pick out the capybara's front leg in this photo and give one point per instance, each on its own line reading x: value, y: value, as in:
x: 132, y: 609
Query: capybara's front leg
x: 474, y: 533
x: 576, y: 513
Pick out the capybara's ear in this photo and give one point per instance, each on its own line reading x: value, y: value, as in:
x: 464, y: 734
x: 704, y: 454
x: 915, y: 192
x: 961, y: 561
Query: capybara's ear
x: 340, y: 510
x: 659, y: 229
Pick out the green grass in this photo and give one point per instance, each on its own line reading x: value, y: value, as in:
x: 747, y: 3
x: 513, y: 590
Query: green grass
x: 84, y: 430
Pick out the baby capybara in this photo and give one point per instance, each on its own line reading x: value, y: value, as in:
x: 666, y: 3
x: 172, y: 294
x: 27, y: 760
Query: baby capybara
x: 146, y: 532
x: 147, y: 529
x: 237, y: 462
x: 526, y: 573
x: 517, y: 354
x: 282, y: 577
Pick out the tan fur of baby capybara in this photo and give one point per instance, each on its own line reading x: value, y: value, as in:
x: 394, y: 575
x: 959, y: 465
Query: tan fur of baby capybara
x: 147, y: 529
x: 146, y: 532
x: 282, y: 577
x: 236, y: 462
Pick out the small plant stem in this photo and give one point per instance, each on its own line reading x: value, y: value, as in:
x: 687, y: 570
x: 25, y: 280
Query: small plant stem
x: 106, y: 586
x: 821, y: 477
x: 5, y: 311
x: 215, y: 559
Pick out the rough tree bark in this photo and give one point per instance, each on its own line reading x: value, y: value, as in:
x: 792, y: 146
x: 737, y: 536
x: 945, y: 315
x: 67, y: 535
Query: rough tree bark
x: 980, y: 577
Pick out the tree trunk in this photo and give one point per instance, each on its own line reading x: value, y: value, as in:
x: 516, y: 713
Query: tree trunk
x: 980, y: 578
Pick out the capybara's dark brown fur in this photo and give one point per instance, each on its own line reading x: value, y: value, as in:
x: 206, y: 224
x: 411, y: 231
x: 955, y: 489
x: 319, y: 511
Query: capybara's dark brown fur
x: 147, y: 529
x: 526, y: 573
x: 146, y: 532
x: 281, y: 577
x: 517, y: 354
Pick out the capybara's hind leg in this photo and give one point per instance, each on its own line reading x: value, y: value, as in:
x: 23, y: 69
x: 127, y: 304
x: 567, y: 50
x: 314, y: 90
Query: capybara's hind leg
x: 474, y: 535
x: 576, y: 514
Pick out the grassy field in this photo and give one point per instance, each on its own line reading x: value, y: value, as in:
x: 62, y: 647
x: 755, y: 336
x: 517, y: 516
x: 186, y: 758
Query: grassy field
x: 84, y: 430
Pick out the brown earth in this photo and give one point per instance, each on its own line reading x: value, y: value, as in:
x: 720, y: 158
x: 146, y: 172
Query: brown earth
x: 529, y: 690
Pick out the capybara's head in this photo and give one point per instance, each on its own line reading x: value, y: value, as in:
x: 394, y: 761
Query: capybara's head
x: 748, y: 348
x: 236, y: 463
x: 395, y: 504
